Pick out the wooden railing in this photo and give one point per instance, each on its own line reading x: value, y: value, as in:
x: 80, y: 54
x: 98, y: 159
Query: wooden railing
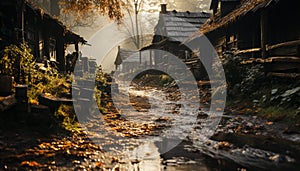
x: 284, y: 44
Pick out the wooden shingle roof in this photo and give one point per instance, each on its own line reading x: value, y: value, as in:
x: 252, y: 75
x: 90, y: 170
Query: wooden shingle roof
x: 178, y: 26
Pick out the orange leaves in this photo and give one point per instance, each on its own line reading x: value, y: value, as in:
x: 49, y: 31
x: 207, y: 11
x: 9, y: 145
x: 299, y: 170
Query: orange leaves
x: 245, y: 111
x: 222, y: 145
x: 30, y: 164
x: 81, y: 9
x: 269, y: 123
x: 99, y: 164
x: 48, y: 95
x: 219, y: 109
x: 34, y: 102
x: 238, y: 129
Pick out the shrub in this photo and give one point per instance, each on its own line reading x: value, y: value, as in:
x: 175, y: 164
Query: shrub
x: 18, y: 62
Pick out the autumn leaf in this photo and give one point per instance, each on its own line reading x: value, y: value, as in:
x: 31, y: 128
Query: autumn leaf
x: 30, y: 163
x: 269, y: 123
x: 80, y: 9
x: 34, y: 102
x: 219, y: 109
x: 238, y: 129
x: 99, y: 164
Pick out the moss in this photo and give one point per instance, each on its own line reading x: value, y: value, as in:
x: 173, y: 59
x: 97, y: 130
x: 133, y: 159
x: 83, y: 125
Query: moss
x: 67, y: 117
x: 251, y: 92
x: 275, y: 113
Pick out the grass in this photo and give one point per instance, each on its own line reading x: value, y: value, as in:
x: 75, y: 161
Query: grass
x: 153, y: 80
x: 275, y: 113
x: 67, y: 117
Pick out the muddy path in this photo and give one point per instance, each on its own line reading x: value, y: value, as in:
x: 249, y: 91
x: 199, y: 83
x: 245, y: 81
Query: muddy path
x: 239, y: 141
x: 151, y: 133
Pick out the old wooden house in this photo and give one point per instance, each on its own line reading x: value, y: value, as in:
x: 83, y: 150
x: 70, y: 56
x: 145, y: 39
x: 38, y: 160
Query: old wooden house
x: 52, y: 7
x: 172, y: 30
x: 46, y: 36
x: 129, y: 60
x: 259, y: 31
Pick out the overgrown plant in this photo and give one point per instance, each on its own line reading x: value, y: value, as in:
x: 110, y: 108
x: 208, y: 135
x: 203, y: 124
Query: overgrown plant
x: 51, y: 83
x: 18, y: 62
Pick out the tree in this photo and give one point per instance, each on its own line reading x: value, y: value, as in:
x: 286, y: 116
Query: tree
x: 82, y: 9
x: 135, y: 6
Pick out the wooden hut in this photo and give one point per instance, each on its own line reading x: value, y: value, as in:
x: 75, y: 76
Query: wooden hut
x: 171, y: 31
x: 45, y: 35
x: 260, y: 31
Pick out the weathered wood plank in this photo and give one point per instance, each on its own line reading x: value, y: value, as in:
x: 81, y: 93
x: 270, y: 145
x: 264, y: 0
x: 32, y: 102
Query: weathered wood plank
x: 283, y: 59
x: 282, y: 66
x: 285, y: 51
x: 247, y: 51
x: 285, y: 75
x: 284, y: 44
x: 7, y: 102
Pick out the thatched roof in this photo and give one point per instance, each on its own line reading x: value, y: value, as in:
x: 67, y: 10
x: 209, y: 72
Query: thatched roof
x: 245, y: 7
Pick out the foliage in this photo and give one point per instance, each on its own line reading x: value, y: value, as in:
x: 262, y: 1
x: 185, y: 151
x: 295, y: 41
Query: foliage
x: 165, y: 79
x: 249, y: 89
x: 52, y: 83
x: 18, y: 62
x: 100, y: 76
x: 158, y: 79
x: 81, y: 9
x: 253, y: 79
x: 68, y: 117
x: 101, y: 83
x: 276, y: 113
x: 233, y: 70
x: 242, y: 80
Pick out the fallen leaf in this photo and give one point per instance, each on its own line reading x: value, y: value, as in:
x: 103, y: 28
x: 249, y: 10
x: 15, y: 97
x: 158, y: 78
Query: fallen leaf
x: 114, y: 159
x: 223, y: 144
x: 218, y: 109
x: 68, y: 144
x: 34, y: 102
x: 269, y: 123
x: 48, y: 95
x: 219, y: 101
x: 99, y: 164
x: 238, y: 129
x: 30, y: 163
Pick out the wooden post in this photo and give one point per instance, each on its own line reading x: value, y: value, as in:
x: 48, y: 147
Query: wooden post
x: 46, y: 38
x: 23, y: 22
x: 60, y: 54
x: 150, y: 58
x: 263, y: 35
x: 77, y: 49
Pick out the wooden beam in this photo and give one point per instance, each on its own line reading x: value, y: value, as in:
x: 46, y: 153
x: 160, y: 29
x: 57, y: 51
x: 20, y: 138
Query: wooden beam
x: 283, y: 59
x: 191, y: 62
x: 246, y: 51
x: 284, y: 44
x: 286, y: 75
x: 263, y: 34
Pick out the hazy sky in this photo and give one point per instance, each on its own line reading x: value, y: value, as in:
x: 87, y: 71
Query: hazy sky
x: 150, y: 6
x: 105, y: 35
